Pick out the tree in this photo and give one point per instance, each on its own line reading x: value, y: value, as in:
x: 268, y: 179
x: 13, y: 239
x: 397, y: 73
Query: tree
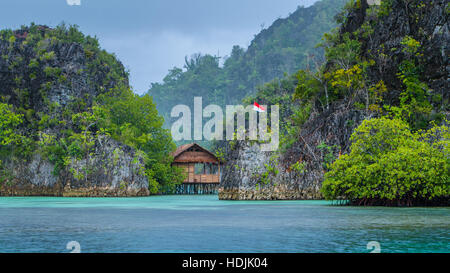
x: 282, y: 48
x: 390, y: 165
x: 72, y: 127
x: 134, y: 121
x: 414, y: 107
x: 9, y: 121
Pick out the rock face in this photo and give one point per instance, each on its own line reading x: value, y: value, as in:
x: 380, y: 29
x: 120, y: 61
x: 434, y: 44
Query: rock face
x: 113, y: 170
x: 250, y: 174
x: 427, y: 22
x: 243, y: 178
x: 298, y: 172
x: 47, y: 79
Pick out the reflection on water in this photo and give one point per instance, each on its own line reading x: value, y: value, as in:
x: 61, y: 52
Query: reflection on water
x: 205, y: 224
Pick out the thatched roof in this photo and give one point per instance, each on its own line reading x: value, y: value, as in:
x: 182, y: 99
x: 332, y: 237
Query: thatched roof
x: 193, y: 153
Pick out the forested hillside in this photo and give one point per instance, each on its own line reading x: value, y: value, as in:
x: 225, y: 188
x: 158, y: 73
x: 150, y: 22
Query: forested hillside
x: 70, y: 124
x: 364, y: 114
x: 370, y: 125
x: 282, y: 48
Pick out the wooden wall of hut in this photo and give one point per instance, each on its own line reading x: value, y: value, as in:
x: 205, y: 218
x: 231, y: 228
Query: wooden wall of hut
x: 201, y: 167
x: 200, y: 172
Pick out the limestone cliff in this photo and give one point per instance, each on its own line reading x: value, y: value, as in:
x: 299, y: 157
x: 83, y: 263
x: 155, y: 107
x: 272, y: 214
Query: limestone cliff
x: 297, y: 173
x: 49, y: 76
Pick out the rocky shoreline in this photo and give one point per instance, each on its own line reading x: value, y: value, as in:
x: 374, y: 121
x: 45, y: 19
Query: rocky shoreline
x: 59, y: 191
x: 298, y: 171
x: 113, y: 171
x: 270, y: 193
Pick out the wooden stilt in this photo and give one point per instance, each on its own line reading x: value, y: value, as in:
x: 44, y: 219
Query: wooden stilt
x: 197, y: 188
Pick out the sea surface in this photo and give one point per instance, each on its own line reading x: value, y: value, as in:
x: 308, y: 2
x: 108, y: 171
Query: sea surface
x: 204, y: 224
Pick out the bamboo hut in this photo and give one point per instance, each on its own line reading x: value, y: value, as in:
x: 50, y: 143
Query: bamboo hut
x: 202, y: 169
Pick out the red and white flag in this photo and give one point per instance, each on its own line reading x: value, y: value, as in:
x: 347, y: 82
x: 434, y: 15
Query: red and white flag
x: 258, y: 108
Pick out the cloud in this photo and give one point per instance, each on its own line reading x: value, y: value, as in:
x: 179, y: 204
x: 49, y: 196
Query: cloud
x: 151, y: 37
x: 150, y: 55
x: 73, y: 2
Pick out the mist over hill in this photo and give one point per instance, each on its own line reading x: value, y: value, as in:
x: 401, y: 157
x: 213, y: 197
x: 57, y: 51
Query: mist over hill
x: 284, y: 47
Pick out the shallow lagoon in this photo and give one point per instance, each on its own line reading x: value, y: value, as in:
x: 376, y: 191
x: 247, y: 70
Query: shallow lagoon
x: 205, y: 224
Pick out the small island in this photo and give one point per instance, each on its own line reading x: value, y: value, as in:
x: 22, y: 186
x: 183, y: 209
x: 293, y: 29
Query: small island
x: 364, y: 115
x: 327, y: 131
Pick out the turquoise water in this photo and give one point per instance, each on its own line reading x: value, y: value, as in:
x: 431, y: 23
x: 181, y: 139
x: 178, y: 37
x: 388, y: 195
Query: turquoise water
x: 205, y: 224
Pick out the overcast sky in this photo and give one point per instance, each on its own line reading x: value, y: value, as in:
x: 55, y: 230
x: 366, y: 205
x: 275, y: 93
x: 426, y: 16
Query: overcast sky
x: 152, y: 36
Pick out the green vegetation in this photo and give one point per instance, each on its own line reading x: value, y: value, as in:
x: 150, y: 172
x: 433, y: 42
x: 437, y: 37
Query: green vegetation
x: 328, y: 154
x: 12, y: 141
x: 279, y: 92
x: 399, y: 158
x: 31, y: 122
x: 134, y: 121
x: 414, y: 106
x: 270, y: 170
x: 9, y: 121
x: 282, y: 48
x: 390, y: 165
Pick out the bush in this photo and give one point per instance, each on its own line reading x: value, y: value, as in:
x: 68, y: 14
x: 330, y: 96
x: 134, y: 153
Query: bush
x: 61, y: 134
x: 134, y: 121
x: 9, y: 121
x: 390, y: 165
